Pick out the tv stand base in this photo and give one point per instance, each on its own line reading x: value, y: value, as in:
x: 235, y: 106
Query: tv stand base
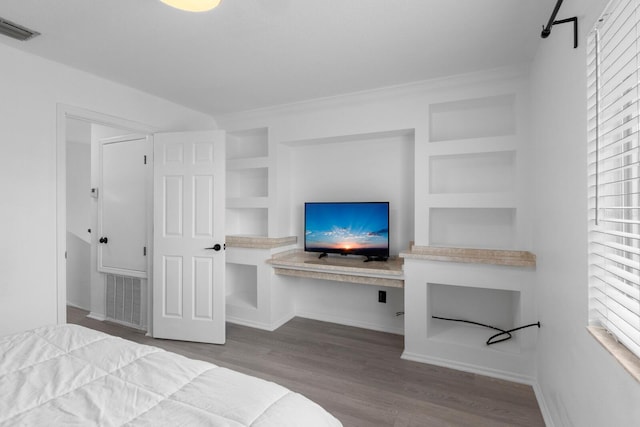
x: 376, y: 258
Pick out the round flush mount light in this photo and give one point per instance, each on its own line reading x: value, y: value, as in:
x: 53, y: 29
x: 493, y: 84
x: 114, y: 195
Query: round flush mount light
x: 193, y: 5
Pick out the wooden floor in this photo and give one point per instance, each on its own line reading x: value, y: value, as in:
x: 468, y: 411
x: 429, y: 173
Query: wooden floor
x: 356, y: 374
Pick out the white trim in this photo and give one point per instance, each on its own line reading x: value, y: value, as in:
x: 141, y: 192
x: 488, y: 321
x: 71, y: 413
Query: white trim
x: 127, y: 324
x: 474, y: 369
x: 76, y: 306
x: 457, y: 81
x: 323, y: 317
x: 97, y: 316
x: 542, y: 403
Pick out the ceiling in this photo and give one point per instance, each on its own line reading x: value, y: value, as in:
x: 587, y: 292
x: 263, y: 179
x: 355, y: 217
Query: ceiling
x: 249, y: 54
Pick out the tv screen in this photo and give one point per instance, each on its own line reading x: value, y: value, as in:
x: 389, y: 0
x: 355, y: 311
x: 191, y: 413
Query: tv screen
x: 357, y: 228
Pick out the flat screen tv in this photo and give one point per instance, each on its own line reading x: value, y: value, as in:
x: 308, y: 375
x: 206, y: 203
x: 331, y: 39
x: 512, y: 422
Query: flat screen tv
x: 347, y: 228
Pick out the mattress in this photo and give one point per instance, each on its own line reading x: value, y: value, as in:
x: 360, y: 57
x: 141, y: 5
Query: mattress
x: 71, y: 375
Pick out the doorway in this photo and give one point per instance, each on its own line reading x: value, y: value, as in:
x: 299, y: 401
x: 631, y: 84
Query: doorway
x: 79, y: 283
x: 79, y: 213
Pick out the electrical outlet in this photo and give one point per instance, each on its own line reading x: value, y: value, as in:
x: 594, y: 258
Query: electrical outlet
x: 382, y: 297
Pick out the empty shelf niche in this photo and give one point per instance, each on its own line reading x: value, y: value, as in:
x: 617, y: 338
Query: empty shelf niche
x: 242, y: 285
x: 247, y: 144
x: 472, y: 173
x: 247, y: 221
x: 252, y: 182
x: 472, y: 118
x: 485, y: 228
x: 494, y: 307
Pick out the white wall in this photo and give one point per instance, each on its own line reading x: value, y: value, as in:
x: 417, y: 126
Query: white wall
x: 31, y: 88
x: 581, y: 384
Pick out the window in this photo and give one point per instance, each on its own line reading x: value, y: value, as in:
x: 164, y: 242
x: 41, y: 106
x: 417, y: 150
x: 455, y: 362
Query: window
x: 613, y: 58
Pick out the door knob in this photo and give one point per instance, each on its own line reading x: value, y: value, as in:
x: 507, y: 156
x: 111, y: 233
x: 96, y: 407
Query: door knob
x: 215, y: 247
x: 103, y: 240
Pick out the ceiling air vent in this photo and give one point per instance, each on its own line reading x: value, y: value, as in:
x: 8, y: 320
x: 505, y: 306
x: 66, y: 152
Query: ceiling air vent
x: 16, y: 31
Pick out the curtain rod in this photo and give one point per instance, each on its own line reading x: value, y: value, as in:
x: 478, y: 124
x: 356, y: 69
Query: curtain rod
x: 546, y: 31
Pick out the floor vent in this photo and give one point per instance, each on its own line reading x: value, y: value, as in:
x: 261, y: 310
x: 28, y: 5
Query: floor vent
x: 124, y: 300
x: 18, y: 32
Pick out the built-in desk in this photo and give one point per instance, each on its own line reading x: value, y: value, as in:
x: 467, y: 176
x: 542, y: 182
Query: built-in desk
x: 338, y: 268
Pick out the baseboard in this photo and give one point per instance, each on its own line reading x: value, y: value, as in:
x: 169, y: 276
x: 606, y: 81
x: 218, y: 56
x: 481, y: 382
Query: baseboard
x: 97, y: 316
x: 474, y: 369
x: 542, y: 403
x: 77, y: 306
x: 323, y: 317
x: 284, y: 319
x: 127, y: 324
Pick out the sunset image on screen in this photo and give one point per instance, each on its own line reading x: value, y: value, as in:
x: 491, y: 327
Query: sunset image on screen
x: 347, y: 227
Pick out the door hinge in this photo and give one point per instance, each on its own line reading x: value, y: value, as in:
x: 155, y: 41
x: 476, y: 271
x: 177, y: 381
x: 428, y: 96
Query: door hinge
x: 144, y: 251
x: 145, y: 159
x: 65, y: 254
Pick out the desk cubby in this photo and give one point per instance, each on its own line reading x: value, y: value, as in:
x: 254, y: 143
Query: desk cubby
x: 338, y: 268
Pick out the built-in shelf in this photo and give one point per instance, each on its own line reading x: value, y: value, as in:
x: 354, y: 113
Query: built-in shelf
x: 241, y: 285
x: 242, y: 300
x: 472, y: 118
x: 483, y: 227
x: 492, y: 172
x: 474, y: 256
x: 247, y: 202
x: 476, y: 145
x: 248, y: 182
x: 259, y: 242
x: 338, y: 268
x: 469, y: 336
x: 248, y: 163
x: 247, y: 221
x: 245, y: 144
x: 472, y: 200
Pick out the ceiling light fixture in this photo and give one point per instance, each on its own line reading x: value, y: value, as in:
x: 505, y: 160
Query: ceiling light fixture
x: 193, y: 5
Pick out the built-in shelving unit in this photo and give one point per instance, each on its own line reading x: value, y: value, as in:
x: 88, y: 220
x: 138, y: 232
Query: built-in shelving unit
x: 465, y: 264
x: 470, y: 194
x: 451, y: 164
x: 248, y: 176
x: 253, y: 297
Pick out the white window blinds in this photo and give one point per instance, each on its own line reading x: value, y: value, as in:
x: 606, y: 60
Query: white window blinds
x: 613, y: 77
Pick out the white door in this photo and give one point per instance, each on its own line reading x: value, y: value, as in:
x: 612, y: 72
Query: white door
x: 189, y: 232
x: 122, y: 205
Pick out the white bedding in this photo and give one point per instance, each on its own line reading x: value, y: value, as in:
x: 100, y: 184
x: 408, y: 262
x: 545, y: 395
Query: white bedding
x: 70, y: 375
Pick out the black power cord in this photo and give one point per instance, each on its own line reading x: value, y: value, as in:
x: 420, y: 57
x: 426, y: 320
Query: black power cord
x: 492, y: 339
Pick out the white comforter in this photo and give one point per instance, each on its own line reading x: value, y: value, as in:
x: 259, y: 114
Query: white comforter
x: 69, y: 375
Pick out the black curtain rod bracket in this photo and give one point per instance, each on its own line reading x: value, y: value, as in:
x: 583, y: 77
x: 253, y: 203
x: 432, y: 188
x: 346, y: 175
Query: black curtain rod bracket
x: 546, y: 31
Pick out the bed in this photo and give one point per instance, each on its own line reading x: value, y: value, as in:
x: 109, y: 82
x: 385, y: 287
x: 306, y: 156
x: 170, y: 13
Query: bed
x: 71, y: 375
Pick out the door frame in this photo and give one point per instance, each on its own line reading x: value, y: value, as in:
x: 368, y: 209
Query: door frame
x: 64, y: 112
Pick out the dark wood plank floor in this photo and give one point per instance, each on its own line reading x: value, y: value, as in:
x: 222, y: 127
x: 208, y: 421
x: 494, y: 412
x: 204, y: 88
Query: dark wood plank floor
x: 356, y: 374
